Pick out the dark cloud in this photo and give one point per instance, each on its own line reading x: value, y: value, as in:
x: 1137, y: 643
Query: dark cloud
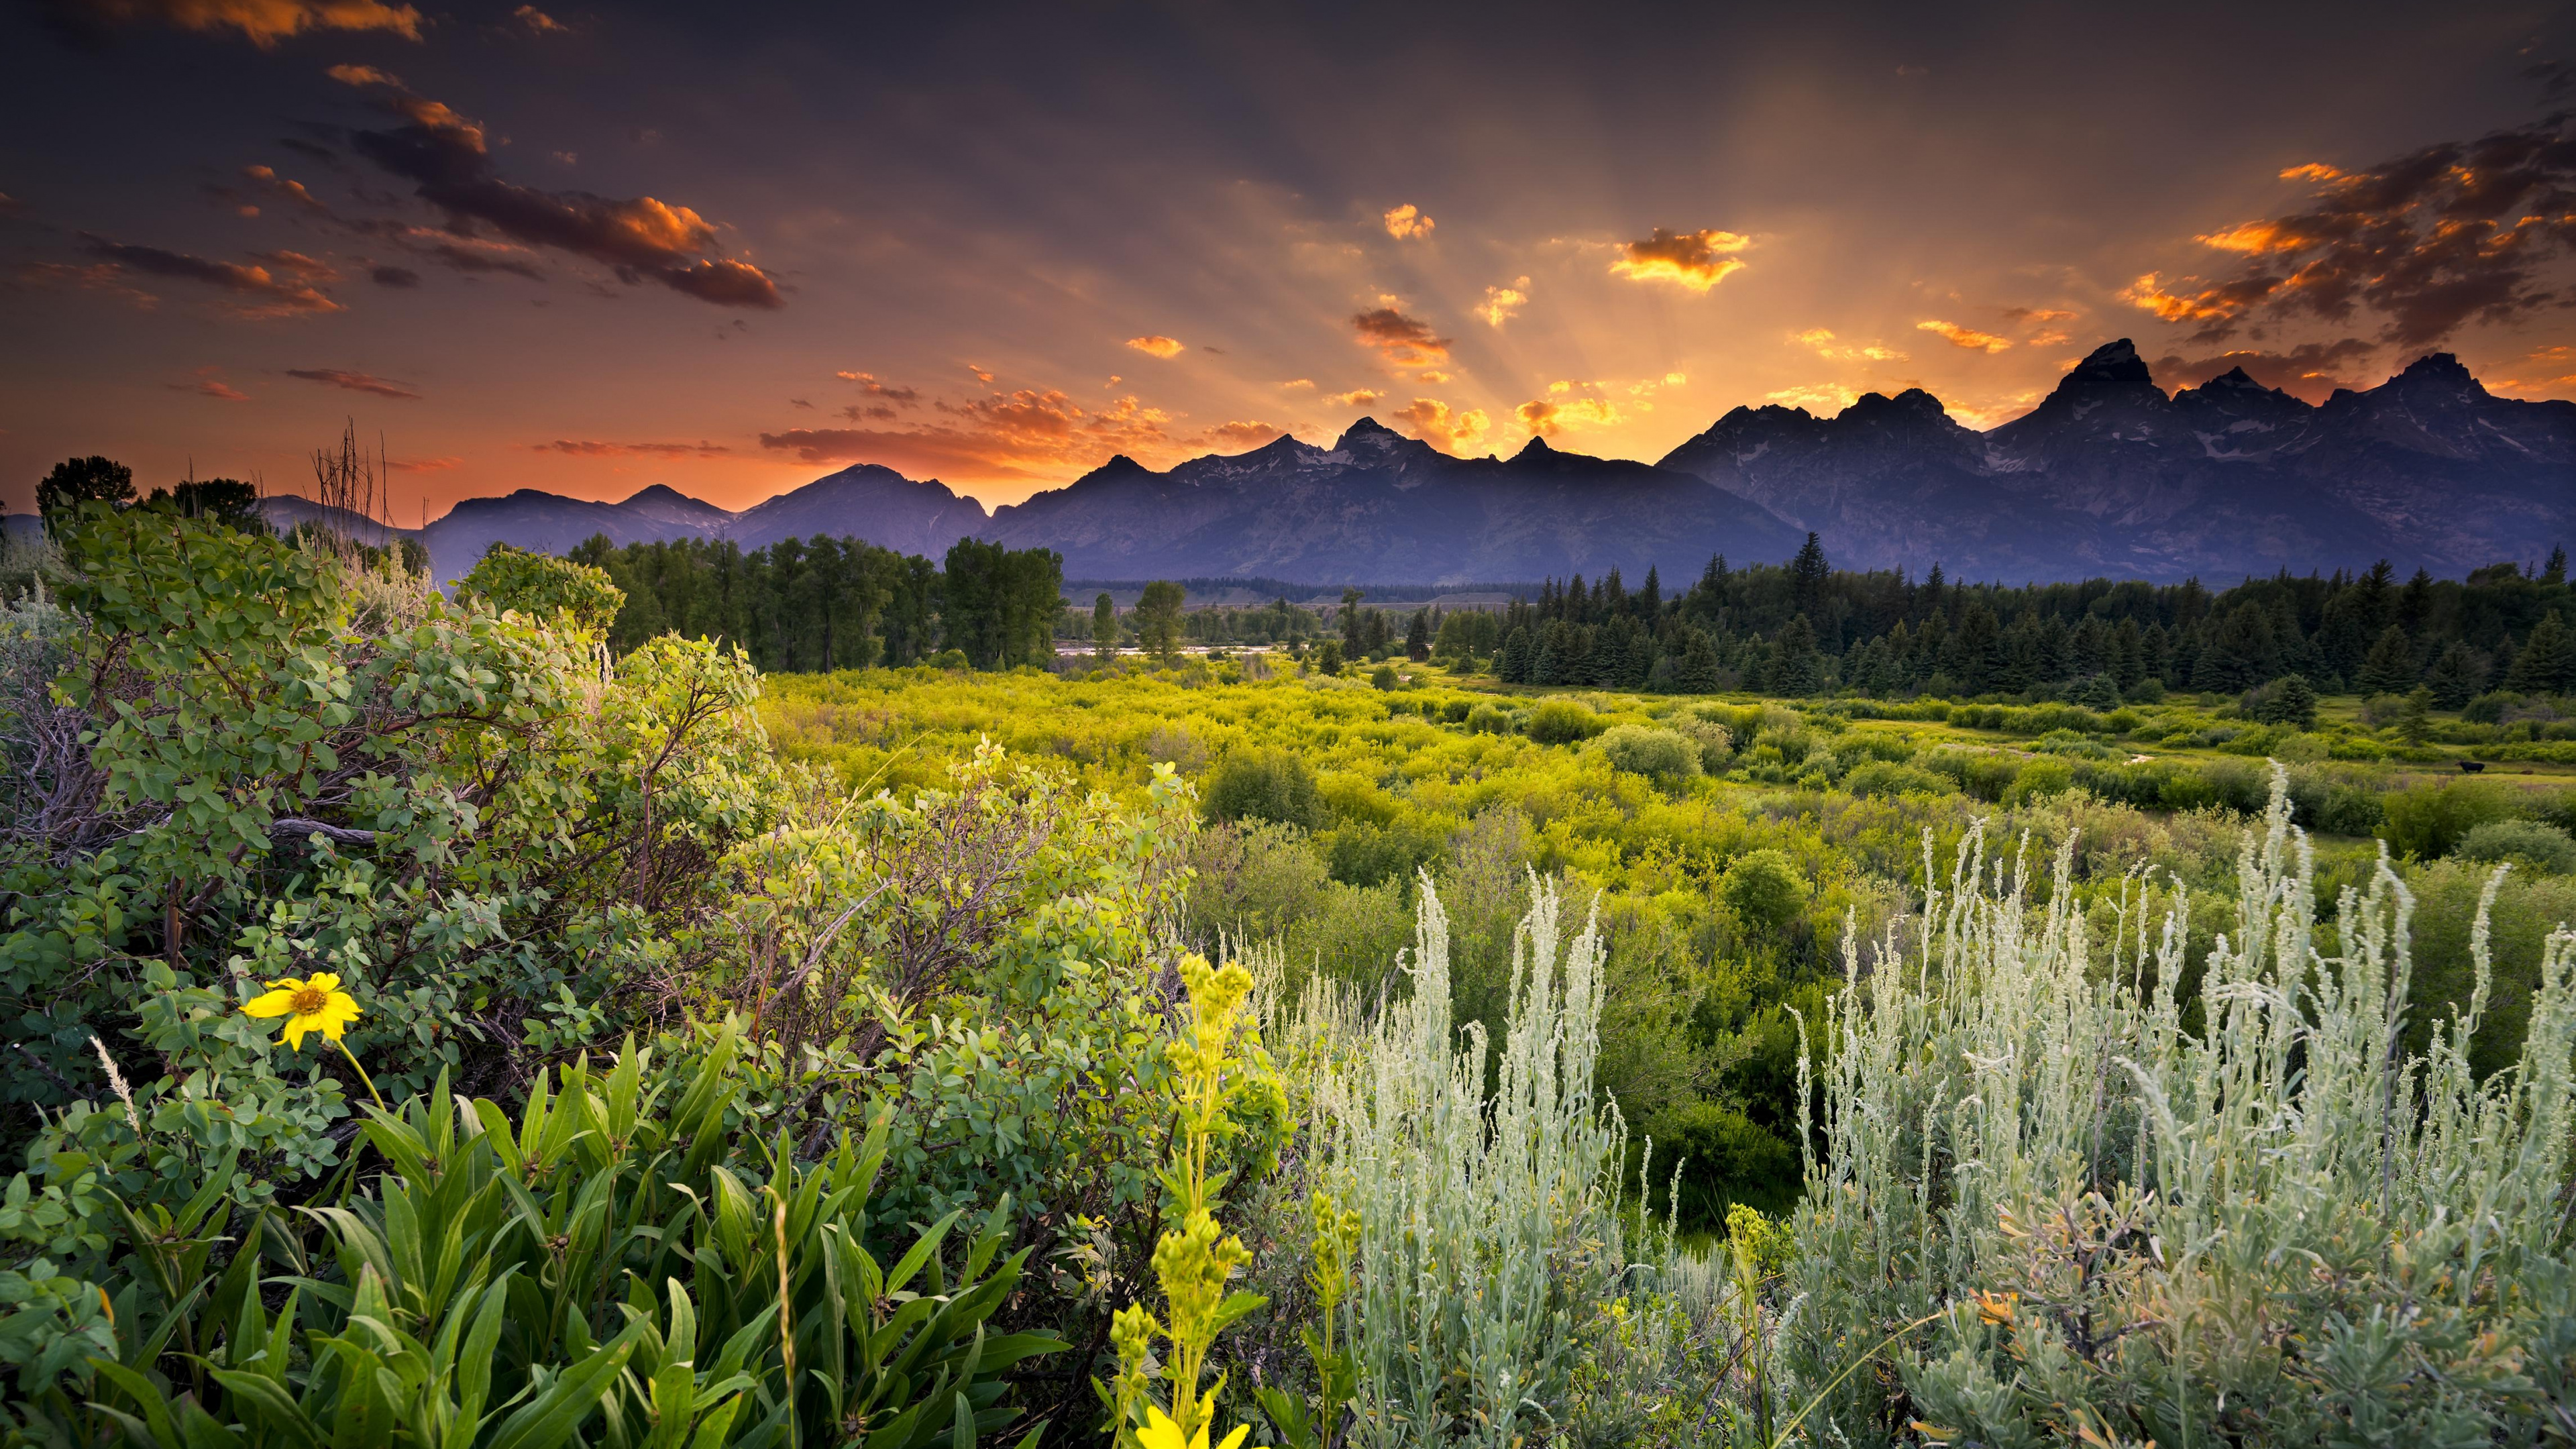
x: 2311, y: 371
x: 2429, y: 241
x: 262, y: 22
x: 449, y: 160
x: 1402, y: 340
x: 355, y: 382
x: 258, y: 292
x: 394, y: 277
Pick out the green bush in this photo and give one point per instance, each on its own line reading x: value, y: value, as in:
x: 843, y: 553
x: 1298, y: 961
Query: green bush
x: 1884, y: 779
x: 1486, y: 719
x: 1562, y: 722
x: 1363, y: 853
x: 1645, y: 750
x: 1271, y: 785
x: 1764, y: 889
x: 2038, y: 780
x: 2428, y: 821
x: 603, y: 1259
x: 2527, y: 842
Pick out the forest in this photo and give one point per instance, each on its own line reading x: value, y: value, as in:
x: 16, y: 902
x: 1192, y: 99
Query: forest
x: 674, y: 996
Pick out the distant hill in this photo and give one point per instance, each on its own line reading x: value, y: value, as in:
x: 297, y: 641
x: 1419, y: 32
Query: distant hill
x: 2108, y: 476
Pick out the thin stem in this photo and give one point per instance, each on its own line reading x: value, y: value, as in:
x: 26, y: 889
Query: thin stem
x: 362, y: 1074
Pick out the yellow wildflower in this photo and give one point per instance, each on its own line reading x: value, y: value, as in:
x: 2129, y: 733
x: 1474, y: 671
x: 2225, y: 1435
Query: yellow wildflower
x: 315, y: 1003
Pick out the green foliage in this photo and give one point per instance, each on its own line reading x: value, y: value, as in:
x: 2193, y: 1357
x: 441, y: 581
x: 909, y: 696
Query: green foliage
x: 1563, y: 722
x: 1764, y: 890
x: 2144, y: 1191
x: 543, y: 588
x: 77, y: 481
x: 1640, y: 750
x: 2427, y: 821
x: 603, y: 1263
x: 1158, y: 618
x: 1271, y: 785
x: 2526, y: 842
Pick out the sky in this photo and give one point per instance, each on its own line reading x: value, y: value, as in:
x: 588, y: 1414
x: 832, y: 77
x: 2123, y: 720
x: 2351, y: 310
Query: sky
x: 734, y: 248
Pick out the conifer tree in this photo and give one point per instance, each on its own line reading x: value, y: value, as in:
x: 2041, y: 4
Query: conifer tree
x: 1514, y: 666
x: 1104, y: 625
x: 2457, y: 676
x: 1417, y: 635
x: 2547, y: 661
x: 2390, y: 666
x: 1696, y: 671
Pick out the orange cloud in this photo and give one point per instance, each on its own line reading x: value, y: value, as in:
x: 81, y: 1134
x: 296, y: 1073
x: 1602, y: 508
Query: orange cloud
x: 1431, y: 420
x: 539, y: 22
x: 422, y: 465
x: 258, y: 291
x: 1967, y: 337
x: 2037, y: 314
x: 2210, y: 305
x: 207, y: 383
x: 2253, y: 239
x: 354, y: 382
x: 1821, y: 341
x: 867, y: 381
x: 1238, y: 437
x: 2050, y: 338
x: 1403, y: 341
x: 1019, y: 436
x: 1407, y: 223
x: 584, y: 448
x: 1502, y: 304
x: 1358, y: 397
x: 1820, y: 398
x: 262, y: 22
x: 1693, y: 259
x: 1158, y: 346
x: 1547, y: 419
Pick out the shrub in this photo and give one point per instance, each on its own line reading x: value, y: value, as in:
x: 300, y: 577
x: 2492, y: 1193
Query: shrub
x: 1363, y: 853
x: 1763, y: 889
x: 1271, y: 785
x: 1485, y: 1222
x: 1562, y: 722
x: 2542, y: 847
x: 603, y: 1259
x: 2489, y: 708
x: 1644, y: 750
x: 1486, y: 719
x: 1883, y: 779
x: 2163, y: 1188
x: 2427, y: 821
x: 2038, y: 780
x: 2349, y: 810
x: 1383, y: 677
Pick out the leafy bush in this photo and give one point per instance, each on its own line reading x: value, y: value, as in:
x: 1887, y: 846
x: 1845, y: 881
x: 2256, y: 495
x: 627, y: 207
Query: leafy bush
x: 1883, y: 779
x: 1271, y: 785
x: 1562, y: 722
x: 1764, y: 890
x: 1363, y: 853
x: 1486, y: 719
x: 601, y: 1260
x: 2428, y: 821
x: 2527, y: 842
x: 1643, y: 750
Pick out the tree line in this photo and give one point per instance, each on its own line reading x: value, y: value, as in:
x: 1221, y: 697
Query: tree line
x: 822, y: 604
x: 1806, y: 628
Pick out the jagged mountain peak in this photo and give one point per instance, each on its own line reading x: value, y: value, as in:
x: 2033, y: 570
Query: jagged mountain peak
x: 1536, y: 447
x: 1913, y: 405
x: 2112, y: 362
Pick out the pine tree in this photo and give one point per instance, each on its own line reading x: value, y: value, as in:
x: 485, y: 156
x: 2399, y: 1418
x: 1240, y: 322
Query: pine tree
x: 1809, y: 576
x: 1104, y: 625
x: 2389, y: 668
x: 2555, y: 572
x: 2547, y: 661
x: 1696, y: 672
x: 1796, y: 669
x: 1514, y: 667
x: 2457, y: 676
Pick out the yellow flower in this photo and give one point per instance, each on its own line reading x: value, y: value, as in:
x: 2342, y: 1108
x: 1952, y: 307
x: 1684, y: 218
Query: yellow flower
x: 1160, y: 1432
x: 315, y: 1003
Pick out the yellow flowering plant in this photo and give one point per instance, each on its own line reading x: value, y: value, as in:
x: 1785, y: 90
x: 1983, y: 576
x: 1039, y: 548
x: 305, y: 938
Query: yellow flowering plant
x: 313, y: 1003
x: 1217, y: 1060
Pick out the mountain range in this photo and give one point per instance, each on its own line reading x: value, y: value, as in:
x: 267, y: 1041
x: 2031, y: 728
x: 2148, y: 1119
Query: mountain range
x: 2110, y: 475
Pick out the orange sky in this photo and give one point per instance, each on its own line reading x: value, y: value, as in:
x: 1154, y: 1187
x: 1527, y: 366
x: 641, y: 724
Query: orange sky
x: 593, y: 251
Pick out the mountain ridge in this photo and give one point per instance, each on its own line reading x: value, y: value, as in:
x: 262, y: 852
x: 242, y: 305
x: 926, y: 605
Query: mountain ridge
x: 2108, y: 475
